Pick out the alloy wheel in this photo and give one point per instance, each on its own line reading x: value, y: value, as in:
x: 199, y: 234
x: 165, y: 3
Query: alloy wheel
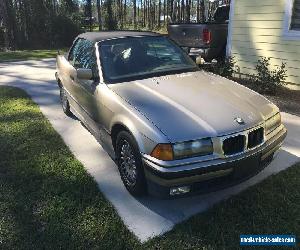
x: 128, y: 164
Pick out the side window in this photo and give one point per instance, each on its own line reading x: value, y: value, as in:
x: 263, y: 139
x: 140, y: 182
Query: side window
x: 83, y: 55
x: 74, y: 51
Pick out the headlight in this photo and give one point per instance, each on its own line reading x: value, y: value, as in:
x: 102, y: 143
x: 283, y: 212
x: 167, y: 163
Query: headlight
x: 193, y: 148
x: 168, y: 152
x: 272, y: 123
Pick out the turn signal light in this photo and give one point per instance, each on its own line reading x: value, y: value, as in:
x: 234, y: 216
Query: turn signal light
x: 163, y: 152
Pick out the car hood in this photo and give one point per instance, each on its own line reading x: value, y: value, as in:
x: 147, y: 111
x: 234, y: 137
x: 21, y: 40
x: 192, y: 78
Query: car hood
x: 195, y: 105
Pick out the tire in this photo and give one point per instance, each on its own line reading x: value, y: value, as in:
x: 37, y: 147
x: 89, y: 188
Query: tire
x: 130, y: 164
x: 207, y: 60
x: 64, y: 102
x: 222, y: 56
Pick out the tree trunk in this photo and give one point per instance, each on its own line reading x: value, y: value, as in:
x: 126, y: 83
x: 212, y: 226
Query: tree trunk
x: 125, y: 13
x: 198, y: 11
x: 149, y: 13
x: 188, y: 11
x: 164, y: 12
x: 159, y: 13
x: 167, y: 12
x: 145, y: 13
x: 89, y: 6
x: 120, y: 14
x: 11, y: 30
x: 134, y: 14
x: 3, y: 15
x: 138, y: 14
x: 202, y: 11
x: 99, y: 15
x: 172, y: 10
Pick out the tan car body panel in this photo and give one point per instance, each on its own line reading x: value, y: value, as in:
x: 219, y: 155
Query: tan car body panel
x: 165, y: 109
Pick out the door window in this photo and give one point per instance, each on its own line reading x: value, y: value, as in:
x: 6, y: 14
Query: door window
x: 74, y: 51
x: 83, y: 55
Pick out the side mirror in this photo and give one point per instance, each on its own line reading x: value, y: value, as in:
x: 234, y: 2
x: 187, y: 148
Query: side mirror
x: 84, y: 74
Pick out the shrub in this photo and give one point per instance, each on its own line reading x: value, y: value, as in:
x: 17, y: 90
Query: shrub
x: 269, y: 81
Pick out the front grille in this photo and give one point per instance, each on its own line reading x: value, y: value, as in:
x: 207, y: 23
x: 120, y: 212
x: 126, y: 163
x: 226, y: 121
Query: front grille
x: 234, y: 145
x: 255, y: 138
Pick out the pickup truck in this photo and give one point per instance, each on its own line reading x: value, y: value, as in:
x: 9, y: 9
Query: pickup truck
x: 207, y: 40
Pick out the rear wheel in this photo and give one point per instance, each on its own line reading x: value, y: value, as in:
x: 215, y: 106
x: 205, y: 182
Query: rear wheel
x: 222, y: 56
x: 130, y: 164
x: 207, y: 60
x: 64, y: 102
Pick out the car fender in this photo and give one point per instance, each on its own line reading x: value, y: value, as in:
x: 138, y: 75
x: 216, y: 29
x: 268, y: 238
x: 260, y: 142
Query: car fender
x: 146, y: 135
x: 116, y: 111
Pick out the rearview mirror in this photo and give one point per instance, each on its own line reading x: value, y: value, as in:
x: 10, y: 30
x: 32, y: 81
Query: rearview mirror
x: 84, y: 74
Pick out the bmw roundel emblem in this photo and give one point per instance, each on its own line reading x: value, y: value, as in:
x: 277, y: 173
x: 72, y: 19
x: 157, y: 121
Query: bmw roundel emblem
x: 239, y: 120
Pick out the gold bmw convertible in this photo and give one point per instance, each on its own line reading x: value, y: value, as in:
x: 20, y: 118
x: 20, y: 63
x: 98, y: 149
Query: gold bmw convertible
x: 172, y: 128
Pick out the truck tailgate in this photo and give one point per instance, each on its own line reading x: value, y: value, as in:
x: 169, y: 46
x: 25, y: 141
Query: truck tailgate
x: 187, y: 35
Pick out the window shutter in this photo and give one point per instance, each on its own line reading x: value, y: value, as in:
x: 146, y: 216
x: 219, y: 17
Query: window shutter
x: 295, y: 22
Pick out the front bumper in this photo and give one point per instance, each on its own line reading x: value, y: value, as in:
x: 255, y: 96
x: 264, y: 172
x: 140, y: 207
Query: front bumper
x: 211, y: 175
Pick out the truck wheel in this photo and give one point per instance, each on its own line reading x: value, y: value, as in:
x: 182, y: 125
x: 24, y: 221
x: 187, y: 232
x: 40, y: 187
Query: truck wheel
x: 130, y: 164
x: 221, y: 57
x: 208, y: 60
x: 64, y: 102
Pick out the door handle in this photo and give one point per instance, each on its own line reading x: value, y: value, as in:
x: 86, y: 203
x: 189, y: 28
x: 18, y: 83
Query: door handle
x: 72, y: 78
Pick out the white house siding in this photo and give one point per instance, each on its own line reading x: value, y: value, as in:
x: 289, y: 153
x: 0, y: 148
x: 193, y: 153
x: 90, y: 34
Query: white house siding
x: 257, y: 29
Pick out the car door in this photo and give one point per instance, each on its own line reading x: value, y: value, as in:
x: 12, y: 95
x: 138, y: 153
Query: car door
x: 69, y: 78
x: 85, y: 57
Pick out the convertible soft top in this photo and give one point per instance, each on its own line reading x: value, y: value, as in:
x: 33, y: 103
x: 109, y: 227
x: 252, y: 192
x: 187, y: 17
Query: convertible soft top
x: 104, y: 35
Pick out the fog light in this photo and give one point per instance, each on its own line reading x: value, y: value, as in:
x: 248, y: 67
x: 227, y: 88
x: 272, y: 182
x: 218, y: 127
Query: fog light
x: 180, y: 190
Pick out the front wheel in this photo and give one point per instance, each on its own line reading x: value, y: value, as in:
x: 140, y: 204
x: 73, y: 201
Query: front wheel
x: 64, y: 102
x: 130, y: 164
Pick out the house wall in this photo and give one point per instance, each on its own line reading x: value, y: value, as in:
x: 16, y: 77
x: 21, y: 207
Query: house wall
x: 257, y: 28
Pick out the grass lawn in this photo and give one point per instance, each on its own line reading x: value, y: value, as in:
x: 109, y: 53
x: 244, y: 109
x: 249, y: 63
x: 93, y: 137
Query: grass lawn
x: 47, y: 200
x: 28, y: 54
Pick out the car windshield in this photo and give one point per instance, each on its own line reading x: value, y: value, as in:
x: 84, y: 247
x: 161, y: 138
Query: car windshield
x: 127, y: 59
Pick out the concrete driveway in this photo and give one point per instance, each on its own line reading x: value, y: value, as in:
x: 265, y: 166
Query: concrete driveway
x: 147, y: 217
